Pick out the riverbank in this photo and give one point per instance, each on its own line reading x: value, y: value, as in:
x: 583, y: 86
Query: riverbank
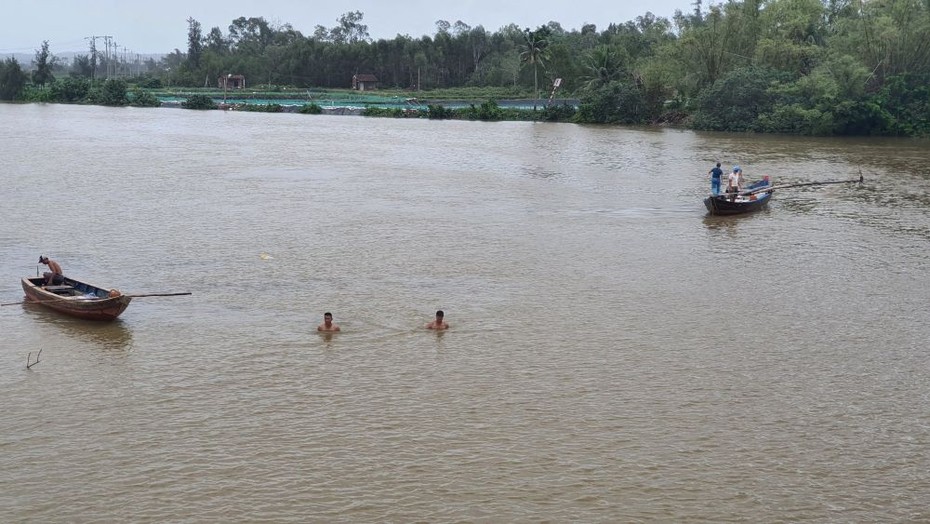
x: 271, y: 108
x: 562, y: 110
x: 291, y: 104
x: 480, y: 103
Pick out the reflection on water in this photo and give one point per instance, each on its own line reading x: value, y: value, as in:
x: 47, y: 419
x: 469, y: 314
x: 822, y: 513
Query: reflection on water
x: 542, y: 174
x: 729, y: 225
x: 108, y: 335
x: 798, y: 203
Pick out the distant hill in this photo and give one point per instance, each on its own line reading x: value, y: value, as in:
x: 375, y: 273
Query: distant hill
x: 23, y: 59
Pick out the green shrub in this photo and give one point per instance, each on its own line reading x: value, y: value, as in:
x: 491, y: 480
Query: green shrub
x: 438, y: 112
x: 113, y: 93
x: 615, y: 103
x: 559, y: 113
x: 377, y: 111
x: 140, y: 98
x: 70, y: 89
x: 150, y: 83
x: 860, y: 118
x: 488, y: 111
x: 199, y: 102
x: 906, y: 98
x: 34, y: 93
x: 310, y: 109
x: 796, y: 120
x: 390, y: 112
x: 735, y: 101
x: 261, y: 108
x: 12, y: 80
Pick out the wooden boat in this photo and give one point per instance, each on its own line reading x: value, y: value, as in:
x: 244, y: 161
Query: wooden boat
x: 76, y: 298
x: 750, y: 199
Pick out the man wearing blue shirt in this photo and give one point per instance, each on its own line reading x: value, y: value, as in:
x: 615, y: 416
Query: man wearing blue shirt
x: 715, y: 175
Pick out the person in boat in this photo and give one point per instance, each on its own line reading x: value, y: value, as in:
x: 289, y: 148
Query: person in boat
x: 54, y: 275
x: 734, y: 182
x: 439, y: 323
x: 715, y: 175
x: 327, y: 325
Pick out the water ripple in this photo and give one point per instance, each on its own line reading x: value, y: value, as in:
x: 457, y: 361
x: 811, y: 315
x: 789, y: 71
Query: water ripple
x: 616, y: 355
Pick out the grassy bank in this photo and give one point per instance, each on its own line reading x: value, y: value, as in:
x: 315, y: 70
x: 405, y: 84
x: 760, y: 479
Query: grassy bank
x: 334, y: 96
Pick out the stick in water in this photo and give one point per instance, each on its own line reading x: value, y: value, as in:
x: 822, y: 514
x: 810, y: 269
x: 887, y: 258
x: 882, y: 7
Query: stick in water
x: 29, y: 362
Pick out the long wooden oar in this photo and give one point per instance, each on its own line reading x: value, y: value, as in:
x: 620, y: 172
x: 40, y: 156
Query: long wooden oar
x: 104, y: 298
x: 29, y: 302
x: 783, y: 186
x: 157, y: 295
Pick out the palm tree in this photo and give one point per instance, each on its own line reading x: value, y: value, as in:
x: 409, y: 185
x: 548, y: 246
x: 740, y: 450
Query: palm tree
x: 604, y: 64
x: 534, y: 52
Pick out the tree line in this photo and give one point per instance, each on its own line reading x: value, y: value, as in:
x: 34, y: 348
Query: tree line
x: 810, y: 67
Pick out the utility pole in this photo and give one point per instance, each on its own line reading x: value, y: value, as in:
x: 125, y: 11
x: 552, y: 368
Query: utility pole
x: 106, y: 41
x: 115, y: 58
x: 106, y: 53
x: 93, y: 55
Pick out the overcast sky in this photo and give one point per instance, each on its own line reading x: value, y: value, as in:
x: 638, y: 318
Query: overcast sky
x: 161, y: 26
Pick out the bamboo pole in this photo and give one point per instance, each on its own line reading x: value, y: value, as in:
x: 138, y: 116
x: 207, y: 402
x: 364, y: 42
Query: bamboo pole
x: 158, y: 295
x: 783, y: 186
x: 93, y: 299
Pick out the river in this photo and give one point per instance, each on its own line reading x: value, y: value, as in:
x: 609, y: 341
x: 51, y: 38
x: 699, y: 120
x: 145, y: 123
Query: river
x: 615, y: 354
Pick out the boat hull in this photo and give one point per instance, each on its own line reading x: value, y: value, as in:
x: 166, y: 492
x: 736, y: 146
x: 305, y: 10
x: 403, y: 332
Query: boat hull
x: 76, y: 299
x: 743, y: 203
x: 721, y: 205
